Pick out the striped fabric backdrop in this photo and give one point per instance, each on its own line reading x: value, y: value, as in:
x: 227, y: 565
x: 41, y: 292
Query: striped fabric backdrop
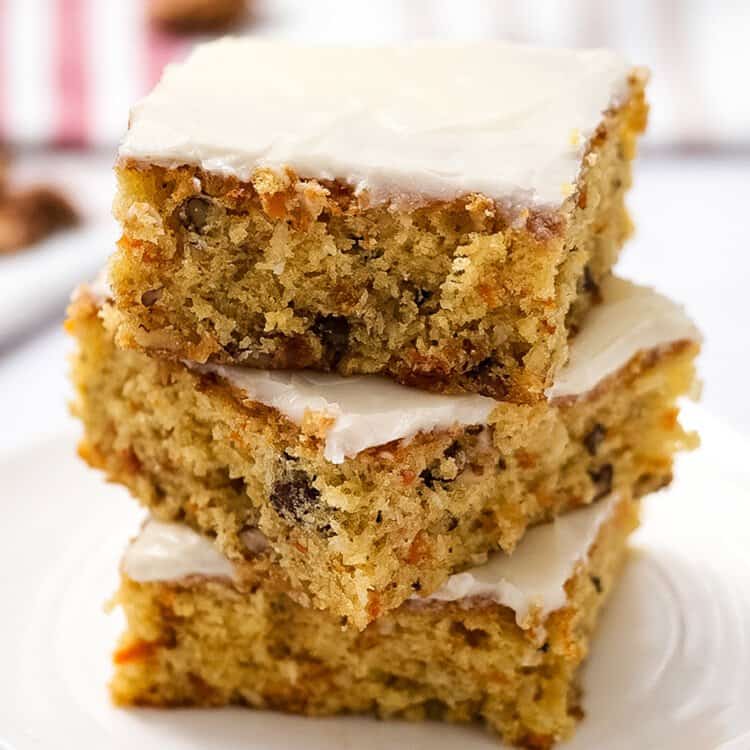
x: 70, y: 69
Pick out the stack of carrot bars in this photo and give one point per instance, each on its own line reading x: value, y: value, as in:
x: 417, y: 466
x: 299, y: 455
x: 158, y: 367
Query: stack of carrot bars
x: 362, y: 357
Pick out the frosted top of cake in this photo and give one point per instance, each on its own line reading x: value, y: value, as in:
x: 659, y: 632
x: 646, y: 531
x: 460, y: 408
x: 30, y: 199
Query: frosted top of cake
x: 424, y: 121
x: 531, y: 580
x: 630, y: 319
x: 365, y: 410
x: 370, y: 410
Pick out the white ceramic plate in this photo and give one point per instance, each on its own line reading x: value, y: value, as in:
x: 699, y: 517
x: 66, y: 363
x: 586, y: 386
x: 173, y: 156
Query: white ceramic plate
x: 669, y: 669
x: 35, y: 283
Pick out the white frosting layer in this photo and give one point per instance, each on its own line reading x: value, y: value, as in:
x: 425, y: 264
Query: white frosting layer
x: 100, y: 286
x: 366, y: 410
x: 171, y: 551
x: 430, y: 120
x: 532, y: 579
x: 369, y: 410
x: 631, y: 318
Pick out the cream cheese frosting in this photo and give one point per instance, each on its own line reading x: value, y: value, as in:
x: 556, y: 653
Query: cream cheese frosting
x: 366, y: 410
x: 165, y: 551
x: 369, y: 410
x: 100, y: 287
x: 531, y: 580
x: 428, y: 120
x: 631, y: 318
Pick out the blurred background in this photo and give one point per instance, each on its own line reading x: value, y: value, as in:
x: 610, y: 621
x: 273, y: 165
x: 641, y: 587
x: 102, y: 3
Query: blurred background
x: 70, y: 70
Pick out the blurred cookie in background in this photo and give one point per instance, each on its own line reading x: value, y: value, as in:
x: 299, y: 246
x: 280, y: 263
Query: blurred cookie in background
x: 3, y: 169
x: 197, y: 15
x: 29, y: 214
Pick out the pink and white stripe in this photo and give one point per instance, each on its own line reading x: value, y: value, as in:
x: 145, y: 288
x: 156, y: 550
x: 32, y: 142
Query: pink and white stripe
x: 71, y: 69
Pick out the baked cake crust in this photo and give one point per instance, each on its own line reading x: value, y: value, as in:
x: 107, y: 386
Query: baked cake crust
x: 284, y: 271
x: 361, y: 536
x: 202, y: 642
